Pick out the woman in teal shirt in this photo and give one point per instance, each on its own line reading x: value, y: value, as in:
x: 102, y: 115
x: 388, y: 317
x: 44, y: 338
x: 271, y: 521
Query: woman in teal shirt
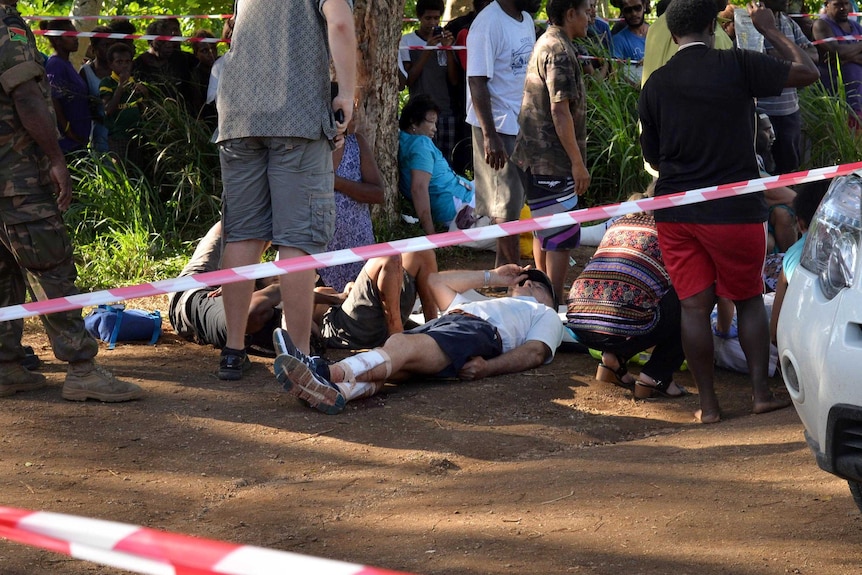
x: 427, y: 180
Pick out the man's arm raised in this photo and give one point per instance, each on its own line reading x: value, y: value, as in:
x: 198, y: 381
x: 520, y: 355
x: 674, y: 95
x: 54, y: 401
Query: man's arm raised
x: 446, y: 285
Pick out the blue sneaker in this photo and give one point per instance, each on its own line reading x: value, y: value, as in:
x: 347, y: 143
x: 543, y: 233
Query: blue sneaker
x: 299, y: 375
x: 283, y: 345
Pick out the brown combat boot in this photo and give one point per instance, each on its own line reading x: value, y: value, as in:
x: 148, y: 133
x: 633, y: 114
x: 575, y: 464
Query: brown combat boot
x: 14, y: 378
x: 86, y: 380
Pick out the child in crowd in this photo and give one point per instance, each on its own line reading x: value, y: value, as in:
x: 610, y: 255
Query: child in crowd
x: 124, y: 102
x: 808, y: 198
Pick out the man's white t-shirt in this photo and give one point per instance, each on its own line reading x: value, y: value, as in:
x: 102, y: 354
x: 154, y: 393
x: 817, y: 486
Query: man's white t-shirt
x: 499, y: 48
x: 518, y: 319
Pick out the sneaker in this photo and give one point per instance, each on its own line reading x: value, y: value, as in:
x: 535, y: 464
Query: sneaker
x: 284, y: 346
x: 89, y: 381
x: 233, y: 363
x: 297, y: 373
x: 14, y: 378
x: 31, y: 361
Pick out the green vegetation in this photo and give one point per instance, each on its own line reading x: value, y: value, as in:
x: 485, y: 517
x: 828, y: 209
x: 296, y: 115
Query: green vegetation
x: 132, y: 225
x: 825, y: 119
x: 613, y: 146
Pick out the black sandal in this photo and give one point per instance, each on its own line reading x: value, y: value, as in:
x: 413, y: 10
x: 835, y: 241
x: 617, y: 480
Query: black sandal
x: 646, y: 391
x: 615, y: 376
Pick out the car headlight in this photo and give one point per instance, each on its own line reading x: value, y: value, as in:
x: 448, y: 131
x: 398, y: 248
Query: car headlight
x: 835, y: 234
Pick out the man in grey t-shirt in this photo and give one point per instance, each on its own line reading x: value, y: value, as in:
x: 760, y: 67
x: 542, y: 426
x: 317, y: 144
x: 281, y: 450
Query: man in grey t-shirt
x: 276, y: 132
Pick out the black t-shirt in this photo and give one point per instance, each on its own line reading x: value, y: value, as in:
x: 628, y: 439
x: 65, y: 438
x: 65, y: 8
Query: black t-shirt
x: 698, y: 119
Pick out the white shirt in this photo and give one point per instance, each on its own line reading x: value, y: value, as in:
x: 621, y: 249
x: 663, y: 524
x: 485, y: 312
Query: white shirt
x: 518, y: 319
x: 499, y: 48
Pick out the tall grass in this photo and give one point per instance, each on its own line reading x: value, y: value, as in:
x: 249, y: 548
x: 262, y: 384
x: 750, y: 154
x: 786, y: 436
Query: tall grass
x: 135, y: 224
x: 614, y: 154
x: 826, y: 120
x: 183, y: 169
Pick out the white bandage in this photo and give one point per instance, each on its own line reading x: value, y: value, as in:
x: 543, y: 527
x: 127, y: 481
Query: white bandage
x: 362, y: 363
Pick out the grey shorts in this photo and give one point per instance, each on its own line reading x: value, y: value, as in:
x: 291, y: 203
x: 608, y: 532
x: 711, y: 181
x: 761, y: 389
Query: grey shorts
x: 499, y: 193
x: 279, y: 190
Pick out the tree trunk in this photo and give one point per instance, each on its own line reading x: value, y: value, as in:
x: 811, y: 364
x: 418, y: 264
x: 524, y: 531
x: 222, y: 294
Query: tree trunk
x: 378, y: 28
x: 83, y: 8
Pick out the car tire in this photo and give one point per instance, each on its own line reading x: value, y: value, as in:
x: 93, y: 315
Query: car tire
x: 856, y: 491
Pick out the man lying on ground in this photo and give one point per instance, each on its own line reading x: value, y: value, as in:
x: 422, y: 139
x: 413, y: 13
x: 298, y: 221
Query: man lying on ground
x: 198, y: 315
x: 470, y: 341
x: 378, y: 303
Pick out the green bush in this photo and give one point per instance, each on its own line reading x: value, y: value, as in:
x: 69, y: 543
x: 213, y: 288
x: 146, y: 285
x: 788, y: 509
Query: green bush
x: 613, y: 141
x: 825, y: 124
x: 182, y: 168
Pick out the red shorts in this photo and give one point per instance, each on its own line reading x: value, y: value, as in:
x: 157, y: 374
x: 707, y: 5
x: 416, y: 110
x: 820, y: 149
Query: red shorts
x: 729, y: 256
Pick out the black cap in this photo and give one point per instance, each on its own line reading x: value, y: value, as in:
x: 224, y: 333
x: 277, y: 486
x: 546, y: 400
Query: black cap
x: 535, y: 275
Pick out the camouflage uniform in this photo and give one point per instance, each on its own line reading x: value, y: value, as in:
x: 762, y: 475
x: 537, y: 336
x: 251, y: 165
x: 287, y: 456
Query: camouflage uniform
x: 33, y: 236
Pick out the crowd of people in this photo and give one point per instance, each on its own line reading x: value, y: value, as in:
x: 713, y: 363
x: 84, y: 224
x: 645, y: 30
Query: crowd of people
x: 297, y: 177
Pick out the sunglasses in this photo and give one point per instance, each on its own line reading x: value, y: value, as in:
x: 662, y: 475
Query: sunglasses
x: 632, y: 9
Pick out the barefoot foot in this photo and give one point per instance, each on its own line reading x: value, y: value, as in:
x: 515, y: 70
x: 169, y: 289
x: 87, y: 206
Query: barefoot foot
x: 772, y: 404
x: 707, y: 417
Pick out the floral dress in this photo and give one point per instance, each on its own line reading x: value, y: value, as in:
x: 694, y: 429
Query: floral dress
x: 352, y: 220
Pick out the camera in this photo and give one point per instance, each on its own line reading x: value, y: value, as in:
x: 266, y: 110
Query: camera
x: 438, y: 30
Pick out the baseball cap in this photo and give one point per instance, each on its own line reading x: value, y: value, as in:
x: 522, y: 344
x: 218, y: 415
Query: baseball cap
x: 535, y: 275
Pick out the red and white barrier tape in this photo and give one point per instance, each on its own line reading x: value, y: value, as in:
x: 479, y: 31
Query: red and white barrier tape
x: 226, y: 16
x: 114, y: 36
x: 417, y: 244
x: 838, y: 39
x: 144, y: 550
x: 135, y: 17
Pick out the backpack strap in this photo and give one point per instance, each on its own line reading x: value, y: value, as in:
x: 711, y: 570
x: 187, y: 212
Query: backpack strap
x: 157, y: 327
x: 112, y: 343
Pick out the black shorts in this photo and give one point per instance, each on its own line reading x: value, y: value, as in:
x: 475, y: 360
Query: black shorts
x: 462, y: 337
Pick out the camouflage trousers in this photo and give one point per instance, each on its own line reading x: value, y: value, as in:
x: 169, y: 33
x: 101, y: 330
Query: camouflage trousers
x: 36, y: 252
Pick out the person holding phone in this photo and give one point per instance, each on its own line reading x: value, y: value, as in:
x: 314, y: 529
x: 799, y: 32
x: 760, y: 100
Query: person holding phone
x: 432, y: 71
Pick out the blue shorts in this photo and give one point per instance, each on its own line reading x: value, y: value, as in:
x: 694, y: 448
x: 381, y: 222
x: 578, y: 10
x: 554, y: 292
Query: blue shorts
x: 461, y: 337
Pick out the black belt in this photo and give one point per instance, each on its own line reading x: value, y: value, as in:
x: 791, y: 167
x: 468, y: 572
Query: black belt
x: 464, y: 313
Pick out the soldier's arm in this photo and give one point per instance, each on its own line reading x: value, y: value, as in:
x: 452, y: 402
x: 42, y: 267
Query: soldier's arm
x: 37, y: 119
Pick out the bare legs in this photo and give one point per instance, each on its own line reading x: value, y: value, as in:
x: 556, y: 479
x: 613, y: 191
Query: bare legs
x: 554, y: 264
x: 754, y: 339
x: 410, y: 354
x: 297, y: 293
x: 508, y: 247
x: 698, y: 346
x: 237, y: 296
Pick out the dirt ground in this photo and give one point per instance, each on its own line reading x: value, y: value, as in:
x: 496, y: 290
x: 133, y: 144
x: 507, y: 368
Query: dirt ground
x: 546, y: 472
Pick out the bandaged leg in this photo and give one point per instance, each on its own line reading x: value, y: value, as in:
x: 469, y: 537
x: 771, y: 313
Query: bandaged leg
x: 362, y: 363
x: 359, y: 389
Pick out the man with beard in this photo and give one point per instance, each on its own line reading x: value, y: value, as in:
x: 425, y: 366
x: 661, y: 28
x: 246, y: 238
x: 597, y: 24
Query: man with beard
x: 551, y: 146
x: 630, y: 43
x: 500, y: 42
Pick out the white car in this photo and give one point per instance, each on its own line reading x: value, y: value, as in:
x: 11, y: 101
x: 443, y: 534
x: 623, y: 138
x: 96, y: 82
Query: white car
x: 820, y: 334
